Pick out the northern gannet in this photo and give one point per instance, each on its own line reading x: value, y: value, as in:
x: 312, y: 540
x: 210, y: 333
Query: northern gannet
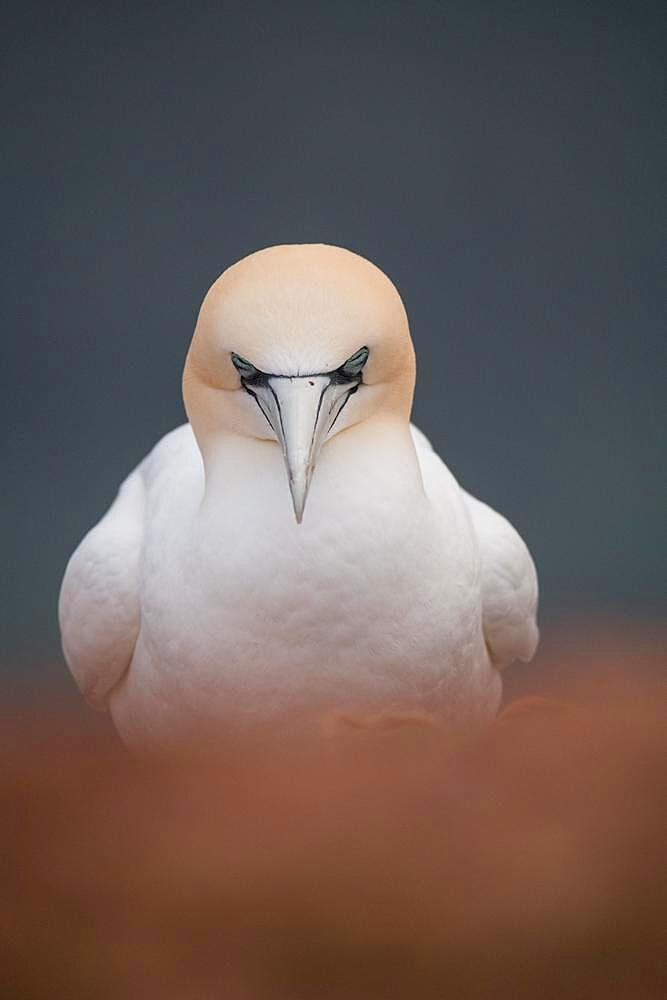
x: 201, y: 599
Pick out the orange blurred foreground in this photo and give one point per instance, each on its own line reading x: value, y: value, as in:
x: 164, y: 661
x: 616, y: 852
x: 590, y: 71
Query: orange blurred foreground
x: 382, y: 859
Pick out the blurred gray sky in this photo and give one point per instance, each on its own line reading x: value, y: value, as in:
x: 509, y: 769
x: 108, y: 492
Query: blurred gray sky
x: 503, y: 163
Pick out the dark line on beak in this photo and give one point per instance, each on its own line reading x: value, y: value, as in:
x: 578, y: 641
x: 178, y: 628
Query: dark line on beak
x: 317, y: 415
x: 261, y: 408
x: 280, y: 413
x: 343, y: 405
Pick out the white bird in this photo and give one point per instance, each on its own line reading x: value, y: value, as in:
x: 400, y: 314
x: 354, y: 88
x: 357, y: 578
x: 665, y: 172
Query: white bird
x: 199, y: 600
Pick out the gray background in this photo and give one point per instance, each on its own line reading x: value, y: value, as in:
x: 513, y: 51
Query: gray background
x: 502, y: 162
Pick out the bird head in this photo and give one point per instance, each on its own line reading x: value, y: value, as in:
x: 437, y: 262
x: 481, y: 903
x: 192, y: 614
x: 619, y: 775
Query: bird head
x: 296, y: 344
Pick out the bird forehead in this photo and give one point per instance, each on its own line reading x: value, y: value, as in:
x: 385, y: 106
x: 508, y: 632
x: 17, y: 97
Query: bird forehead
x: 289, y: 330
x: 302, y: 309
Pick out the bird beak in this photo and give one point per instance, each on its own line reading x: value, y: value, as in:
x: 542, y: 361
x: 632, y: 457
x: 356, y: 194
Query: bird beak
x: 301, y: 412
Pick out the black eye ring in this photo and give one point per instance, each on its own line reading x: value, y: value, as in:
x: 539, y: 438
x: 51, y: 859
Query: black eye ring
x: 349, y: 371
x: 354, y: 364
x: 246, y: 370
x: 352, y: 368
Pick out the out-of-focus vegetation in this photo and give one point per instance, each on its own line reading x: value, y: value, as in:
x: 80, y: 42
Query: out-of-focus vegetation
x: 376, y: 858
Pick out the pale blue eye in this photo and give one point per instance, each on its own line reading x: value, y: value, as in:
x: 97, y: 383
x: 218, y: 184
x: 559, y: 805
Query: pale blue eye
x: 353, y: 366
x: 243, y: 367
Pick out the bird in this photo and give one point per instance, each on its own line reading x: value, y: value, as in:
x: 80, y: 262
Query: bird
x: 297, y: 546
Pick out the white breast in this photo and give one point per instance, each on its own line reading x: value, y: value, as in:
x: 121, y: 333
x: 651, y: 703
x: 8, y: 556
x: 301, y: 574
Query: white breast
x: 373, y: 602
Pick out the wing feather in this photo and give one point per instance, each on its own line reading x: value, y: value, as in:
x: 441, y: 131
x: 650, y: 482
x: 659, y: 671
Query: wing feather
x: 508, y: 577
x: 509, y: 586
x: 99, y: 609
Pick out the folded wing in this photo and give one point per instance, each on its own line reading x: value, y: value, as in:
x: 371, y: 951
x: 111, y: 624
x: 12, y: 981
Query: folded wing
x: 509, y: 586
x: 508, y: 577
x: 99, y: 609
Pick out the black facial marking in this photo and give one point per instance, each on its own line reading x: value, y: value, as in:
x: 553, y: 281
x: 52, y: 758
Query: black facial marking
x: 354, y: 365
x: 249, y: 374
x: 317, y: 416
x: 258, y: 400
x: 280, y: 412
x: 349, y: 371
x: 343, y: 405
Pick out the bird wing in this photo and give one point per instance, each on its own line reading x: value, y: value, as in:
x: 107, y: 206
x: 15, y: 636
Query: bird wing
x: 508, y: 579
x: 509, y: 586
x: 99, y: 608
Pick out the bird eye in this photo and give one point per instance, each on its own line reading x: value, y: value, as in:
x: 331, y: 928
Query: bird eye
x: 353, y: 366
x: 244, y: 368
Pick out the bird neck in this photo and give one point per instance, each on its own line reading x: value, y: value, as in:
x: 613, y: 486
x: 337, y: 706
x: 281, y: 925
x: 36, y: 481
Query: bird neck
x: 377, y: 453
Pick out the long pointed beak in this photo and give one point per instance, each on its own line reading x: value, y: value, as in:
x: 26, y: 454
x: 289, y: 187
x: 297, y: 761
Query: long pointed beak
x: 301, y: 412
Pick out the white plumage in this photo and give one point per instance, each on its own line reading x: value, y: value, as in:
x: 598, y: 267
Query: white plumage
x: 198, y: 600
